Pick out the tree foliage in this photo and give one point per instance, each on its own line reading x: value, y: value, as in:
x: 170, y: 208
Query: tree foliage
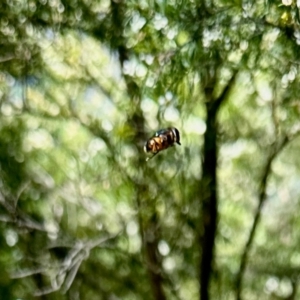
x: 83, y: 85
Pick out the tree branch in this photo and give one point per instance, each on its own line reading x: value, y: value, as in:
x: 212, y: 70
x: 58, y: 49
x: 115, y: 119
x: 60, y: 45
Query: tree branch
x: 276, y: 149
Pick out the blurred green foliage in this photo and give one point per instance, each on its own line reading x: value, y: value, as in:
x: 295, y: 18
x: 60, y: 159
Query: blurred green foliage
x: 83, y: 84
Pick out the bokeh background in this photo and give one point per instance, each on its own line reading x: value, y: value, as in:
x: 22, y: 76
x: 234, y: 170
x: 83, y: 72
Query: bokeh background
x: 83, y: 85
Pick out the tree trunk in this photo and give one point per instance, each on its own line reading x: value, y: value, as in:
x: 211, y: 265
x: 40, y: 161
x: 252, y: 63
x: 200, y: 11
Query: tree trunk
x: 208, y: 189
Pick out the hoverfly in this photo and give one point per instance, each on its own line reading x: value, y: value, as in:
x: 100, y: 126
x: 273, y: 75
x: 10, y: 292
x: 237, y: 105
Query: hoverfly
x: 162, y: 139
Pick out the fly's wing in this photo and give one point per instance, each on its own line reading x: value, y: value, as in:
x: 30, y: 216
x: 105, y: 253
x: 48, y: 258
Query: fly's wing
x: 161, y: 132
x: 166, y: 137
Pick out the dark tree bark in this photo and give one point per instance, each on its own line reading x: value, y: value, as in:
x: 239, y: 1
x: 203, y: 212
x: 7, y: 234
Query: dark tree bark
x: 208, y: 189
x: 209, y: 202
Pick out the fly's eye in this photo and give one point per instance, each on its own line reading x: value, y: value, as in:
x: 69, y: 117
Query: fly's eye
x: 147, y: 147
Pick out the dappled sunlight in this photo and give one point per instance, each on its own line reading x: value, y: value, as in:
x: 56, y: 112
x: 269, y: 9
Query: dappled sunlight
x: 86, y: 213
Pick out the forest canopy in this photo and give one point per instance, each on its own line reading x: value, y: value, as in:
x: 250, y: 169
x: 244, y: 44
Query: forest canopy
x: 84, y: 84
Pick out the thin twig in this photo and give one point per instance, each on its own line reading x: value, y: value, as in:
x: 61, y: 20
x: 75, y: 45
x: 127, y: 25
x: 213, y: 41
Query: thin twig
x: 262, y: 196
